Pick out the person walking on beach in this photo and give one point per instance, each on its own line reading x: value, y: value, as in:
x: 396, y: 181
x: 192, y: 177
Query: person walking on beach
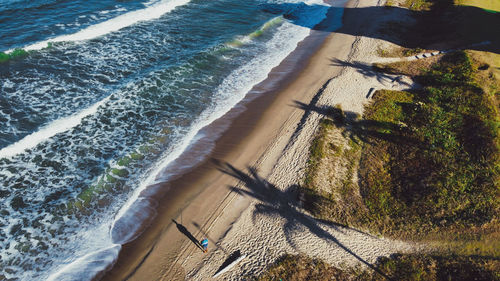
x: 204, y: 244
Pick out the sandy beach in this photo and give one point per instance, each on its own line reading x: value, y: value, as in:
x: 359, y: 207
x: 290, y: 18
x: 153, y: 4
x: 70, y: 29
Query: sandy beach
x: 243, y: 196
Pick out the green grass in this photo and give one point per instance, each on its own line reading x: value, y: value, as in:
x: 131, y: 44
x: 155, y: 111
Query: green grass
x: 488, y: 70
x: 389, y: 3
x: 418, y: 5
x: 423, y: 267
x: 492, y: 5
x: 298, y: 268
x: 448, y: 174
x: 317, y: 151
x: 412, y: 52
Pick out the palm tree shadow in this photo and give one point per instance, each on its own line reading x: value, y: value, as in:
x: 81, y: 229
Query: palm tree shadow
x: 365, y: 130
x: 368, y: 70
x: 274, y: 201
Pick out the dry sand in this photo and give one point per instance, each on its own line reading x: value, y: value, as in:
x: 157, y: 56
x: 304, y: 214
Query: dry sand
x: 243, y: 198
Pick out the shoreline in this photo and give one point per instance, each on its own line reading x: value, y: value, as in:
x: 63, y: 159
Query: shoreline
x: 264, y: 136
x: 236, y: 126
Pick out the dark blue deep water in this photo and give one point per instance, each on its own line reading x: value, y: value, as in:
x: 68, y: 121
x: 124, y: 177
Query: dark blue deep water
x: 104, y: 95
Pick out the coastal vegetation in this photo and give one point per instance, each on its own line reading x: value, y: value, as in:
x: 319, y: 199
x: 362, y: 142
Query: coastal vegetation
x: 492, y: 5
x: 428, y: 160
x: 398, y: 267
x: 420, y: 165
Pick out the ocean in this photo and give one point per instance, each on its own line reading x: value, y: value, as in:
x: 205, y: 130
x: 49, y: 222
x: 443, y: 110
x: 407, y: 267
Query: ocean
x: 97, y: 98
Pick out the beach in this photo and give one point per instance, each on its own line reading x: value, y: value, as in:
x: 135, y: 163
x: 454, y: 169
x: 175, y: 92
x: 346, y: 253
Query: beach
x: 242, y: 197
x: 99, y: 103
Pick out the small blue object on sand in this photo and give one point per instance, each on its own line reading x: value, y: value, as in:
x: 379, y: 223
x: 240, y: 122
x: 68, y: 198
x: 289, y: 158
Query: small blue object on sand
x: 204, y: 244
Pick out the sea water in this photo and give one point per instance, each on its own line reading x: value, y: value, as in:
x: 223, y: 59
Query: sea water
x: 103, y: 96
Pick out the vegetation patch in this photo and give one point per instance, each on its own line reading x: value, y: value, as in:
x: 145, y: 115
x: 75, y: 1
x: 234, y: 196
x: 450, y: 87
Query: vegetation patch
x: 436, y: 267
x: 491, y: 5
x: 411, y: 267
x: 442, y: 168
x: 429, y: 163
x: 317, y: 150
x: 408, y: 68
x: 487, y: 74
x: 298, y: 267
x: 330, y: 185
x: 418, y: 5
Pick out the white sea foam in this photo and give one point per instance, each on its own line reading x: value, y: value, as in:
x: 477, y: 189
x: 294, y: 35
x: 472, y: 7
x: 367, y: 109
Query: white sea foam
x: 88, y: 267
x: 50, y: 130
x: 151, y: 12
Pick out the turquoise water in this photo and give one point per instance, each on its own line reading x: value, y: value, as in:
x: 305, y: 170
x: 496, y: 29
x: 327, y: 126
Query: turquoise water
x: 107, y: 95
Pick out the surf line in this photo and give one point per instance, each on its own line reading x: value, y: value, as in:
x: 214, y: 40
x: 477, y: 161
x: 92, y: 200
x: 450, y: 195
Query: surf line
x: 150, y: 13
x: 50, y: 130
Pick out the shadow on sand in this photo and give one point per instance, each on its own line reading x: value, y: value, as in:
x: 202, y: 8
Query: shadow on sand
x: 459, y: 26
x: 188, y: 234
x: 274, y: 201
x: 212, y: 241
x: 368, y: 70
x: 360, y: 129
x: 234, y: 256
